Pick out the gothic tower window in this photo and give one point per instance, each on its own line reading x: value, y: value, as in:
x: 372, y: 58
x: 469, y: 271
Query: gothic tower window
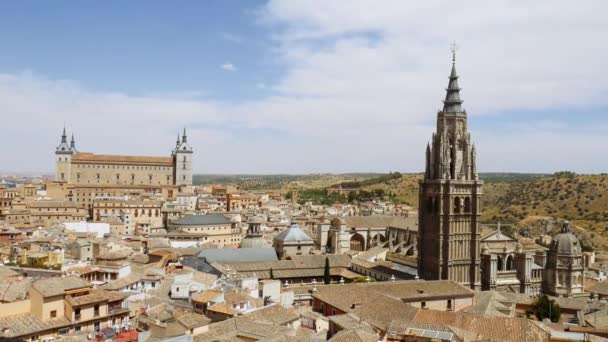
x: 457, y: 205
x: 467, y: 204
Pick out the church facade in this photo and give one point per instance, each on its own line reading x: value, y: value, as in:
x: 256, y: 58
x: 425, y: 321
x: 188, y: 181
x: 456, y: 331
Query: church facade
x: 80, y: 168
x: 449, y: 198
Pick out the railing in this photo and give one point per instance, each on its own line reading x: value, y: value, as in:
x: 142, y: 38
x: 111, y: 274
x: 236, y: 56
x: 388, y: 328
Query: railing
x: 506, y: 274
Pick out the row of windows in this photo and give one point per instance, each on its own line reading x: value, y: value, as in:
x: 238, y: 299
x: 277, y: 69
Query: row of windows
x: 89, y: 166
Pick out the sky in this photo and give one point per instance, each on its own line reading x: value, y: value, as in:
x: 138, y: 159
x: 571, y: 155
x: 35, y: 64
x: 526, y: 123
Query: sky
x: 305, y: 86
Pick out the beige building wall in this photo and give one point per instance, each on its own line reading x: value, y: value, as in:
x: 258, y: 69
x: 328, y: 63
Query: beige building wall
x: 121, y: 174
x: 63, y: 165
x: 14, y: 308
x: 42, y: 307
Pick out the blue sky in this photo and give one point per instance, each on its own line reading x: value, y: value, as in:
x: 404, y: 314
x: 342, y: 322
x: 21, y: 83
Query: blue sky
x: 141, y: 48
x: 304, y: 86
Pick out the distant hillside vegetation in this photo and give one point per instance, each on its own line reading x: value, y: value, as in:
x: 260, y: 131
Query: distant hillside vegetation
x: 528, y: 201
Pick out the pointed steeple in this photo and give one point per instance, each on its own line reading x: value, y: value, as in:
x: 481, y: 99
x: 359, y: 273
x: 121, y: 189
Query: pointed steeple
x: 64, y: 137
x: 452, y: 102
x: 184, y: 137
x: 177, y: 142
x: 63, y: 147
x: 73, y: 144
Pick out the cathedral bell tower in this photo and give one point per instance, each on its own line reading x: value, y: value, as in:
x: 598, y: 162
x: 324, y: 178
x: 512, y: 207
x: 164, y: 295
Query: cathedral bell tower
x: 63, y: 158
x: 182, y: 161
x: 449, y: 197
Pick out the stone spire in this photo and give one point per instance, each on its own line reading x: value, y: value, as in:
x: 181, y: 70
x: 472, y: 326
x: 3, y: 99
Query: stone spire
x: 73, y: 144
x: 184, y: 137
x: 64, y: 137
x: 452, y: 102
x: 177, y: 142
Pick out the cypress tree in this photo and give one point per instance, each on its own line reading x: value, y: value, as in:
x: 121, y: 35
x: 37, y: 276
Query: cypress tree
x: 326, y: 275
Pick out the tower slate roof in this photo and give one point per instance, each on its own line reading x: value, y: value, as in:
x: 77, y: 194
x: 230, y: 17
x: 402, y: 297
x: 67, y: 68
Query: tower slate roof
x: 452, y: 102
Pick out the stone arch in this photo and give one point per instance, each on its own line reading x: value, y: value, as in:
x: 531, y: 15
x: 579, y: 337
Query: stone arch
x: 357, y: 242
x: 509, y: 263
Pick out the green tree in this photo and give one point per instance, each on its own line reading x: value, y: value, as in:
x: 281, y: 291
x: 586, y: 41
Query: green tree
x: 544, y: 307
x: 326, y: 275
x: 364, y: 280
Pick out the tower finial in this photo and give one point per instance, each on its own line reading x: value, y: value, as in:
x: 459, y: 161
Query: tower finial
x: 452, y: 102
x: 454, y: 48
x: 184, y: 138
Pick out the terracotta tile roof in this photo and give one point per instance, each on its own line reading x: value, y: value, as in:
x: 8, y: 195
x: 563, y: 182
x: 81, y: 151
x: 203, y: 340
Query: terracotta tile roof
x: 374, y: 307
x: 273, y: 314
x: 232, y: 329
x: 85, y: 157
x: 96, y: 296
x: 26, y: 324
x: 486, y: 327
x: 359, y: 334
x: 206, y: 296
x: 192, y: 320
x: 55, y: 286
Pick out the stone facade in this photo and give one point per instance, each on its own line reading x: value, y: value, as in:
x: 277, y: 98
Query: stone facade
x: 80, y: 168
x: 564, y: 273
x: 507, y: 266
x: 449, y: 210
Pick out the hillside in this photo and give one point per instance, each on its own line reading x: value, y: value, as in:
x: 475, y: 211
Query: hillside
x: 282, y: 183
x: 531, y: 202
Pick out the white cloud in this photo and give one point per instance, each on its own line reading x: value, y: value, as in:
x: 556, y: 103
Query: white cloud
x: 228, y: 66
x: 360, y: 91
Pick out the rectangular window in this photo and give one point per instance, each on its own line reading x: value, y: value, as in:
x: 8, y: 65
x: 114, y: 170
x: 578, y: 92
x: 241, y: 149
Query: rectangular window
x: 53, y: 313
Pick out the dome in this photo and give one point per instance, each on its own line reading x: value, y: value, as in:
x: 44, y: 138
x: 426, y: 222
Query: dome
x: 254, y: 242
x: 293, y: 233
x: 566, y: 242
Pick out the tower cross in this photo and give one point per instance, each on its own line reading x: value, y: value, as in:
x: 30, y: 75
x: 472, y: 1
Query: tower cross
x: 454, y: 48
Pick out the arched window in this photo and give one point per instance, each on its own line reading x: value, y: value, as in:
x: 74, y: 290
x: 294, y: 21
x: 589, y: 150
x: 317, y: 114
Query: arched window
x: 467, y: 204
x: 509, y: 263
x: 457, y: 205
x: 499, y: 264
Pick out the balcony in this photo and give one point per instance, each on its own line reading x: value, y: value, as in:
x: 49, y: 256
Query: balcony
x: 117, y: 310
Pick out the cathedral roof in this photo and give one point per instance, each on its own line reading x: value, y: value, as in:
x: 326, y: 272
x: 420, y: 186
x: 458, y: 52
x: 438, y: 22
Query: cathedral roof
x: 293, y: 233
x: 566, y: 242
x: 254, y: 242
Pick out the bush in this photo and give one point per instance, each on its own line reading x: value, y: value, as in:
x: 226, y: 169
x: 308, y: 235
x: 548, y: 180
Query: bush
x: 544, y: 307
